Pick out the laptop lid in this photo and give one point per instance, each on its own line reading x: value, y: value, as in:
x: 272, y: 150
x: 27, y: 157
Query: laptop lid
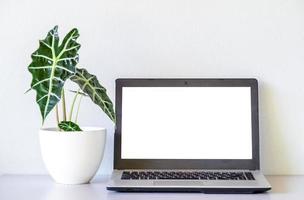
x: 186, y: 124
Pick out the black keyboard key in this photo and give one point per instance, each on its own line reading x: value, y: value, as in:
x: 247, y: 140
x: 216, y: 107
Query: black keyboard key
x: 126, y: 176
x: 249, y: 176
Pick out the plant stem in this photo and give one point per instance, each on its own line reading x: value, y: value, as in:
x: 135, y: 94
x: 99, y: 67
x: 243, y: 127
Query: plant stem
x: 76, y: 118
x: 57, y: 115
x: 73, y: 103
x: 63, y: 105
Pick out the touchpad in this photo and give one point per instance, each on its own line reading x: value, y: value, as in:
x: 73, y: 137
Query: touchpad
x: 178, y: 183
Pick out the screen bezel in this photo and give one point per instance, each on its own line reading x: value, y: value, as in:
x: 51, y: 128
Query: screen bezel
x: 252, y: 164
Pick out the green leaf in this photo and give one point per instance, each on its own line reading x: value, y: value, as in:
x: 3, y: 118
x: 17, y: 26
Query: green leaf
x: 69, y: 126
x: 52, y: 64
x: 90, y: 86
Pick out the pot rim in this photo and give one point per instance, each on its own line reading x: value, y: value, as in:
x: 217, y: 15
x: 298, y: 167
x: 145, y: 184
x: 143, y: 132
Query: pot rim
x: 84, y: 129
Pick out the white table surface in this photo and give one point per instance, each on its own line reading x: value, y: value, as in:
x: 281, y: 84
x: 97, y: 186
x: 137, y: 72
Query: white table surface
x: 41, y: 187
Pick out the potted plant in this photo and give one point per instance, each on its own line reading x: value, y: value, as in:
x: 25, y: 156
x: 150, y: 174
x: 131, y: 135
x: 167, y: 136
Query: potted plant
x: 72, y: 154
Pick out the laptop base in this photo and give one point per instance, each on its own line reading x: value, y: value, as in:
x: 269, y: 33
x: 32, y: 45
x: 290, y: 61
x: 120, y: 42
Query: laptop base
x: 198, y: 190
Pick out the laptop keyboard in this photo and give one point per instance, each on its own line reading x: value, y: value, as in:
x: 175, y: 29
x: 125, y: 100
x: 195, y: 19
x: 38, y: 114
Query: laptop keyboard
x: 183, y: 175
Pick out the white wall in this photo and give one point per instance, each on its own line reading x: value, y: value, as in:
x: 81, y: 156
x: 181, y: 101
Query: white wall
x: 159, y: 38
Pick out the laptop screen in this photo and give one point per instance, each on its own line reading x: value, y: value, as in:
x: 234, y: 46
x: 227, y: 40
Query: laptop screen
x: 186, y: 123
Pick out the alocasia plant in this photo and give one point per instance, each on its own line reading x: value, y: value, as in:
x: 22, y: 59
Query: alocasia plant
x: 53, y: 63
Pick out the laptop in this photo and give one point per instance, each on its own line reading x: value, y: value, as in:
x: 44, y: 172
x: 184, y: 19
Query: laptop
x: 187, y: 135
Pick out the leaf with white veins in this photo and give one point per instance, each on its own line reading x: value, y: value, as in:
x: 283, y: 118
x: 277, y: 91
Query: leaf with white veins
x: 69, y: 126
x: 52, y: 64
x: 89, y: 85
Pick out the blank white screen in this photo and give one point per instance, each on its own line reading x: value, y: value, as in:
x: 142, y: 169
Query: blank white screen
x: 186, y: 123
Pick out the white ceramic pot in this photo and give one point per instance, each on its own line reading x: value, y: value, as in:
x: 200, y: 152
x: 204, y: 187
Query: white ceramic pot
x: 72, y: 157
